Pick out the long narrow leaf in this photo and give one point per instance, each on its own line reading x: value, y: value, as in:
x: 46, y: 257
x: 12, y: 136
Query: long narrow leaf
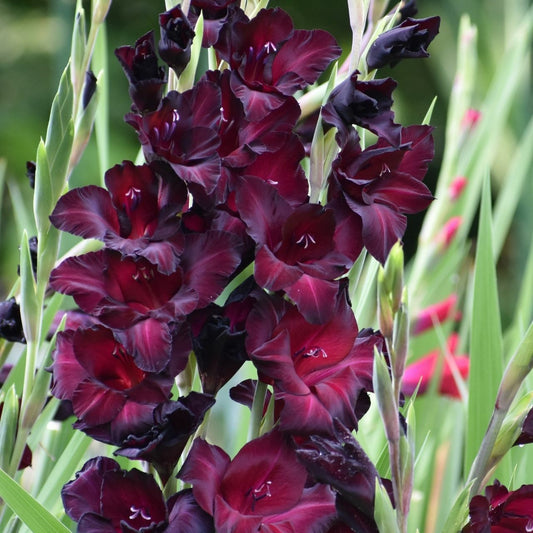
x: 30, y: 511
x: 486, y: 361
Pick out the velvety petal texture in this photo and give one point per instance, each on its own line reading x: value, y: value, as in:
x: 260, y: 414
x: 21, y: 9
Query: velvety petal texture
x: 318, y: 372
x: 110, y: 499
x: 110, y: 395
x: 272, y: 59
x: 409, y: 39
x: 146, y: 78
x: 501, y: 510
x: 263, y: 487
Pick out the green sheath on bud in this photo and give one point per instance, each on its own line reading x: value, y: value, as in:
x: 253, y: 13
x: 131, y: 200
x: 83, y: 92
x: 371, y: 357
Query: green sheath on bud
x: 384, y: 514
x: 511, y: 429
x: 8, y: 425
x: 394, y: 275
x: 385, y: 396
x: 518, y: 368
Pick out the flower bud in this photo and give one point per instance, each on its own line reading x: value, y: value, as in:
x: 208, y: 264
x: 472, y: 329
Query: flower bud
x: 449, y: 231
x: 456, y: 187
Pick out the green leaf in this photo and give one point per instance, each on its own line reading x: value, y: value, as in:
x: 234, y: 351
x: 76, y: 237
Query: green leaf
x: 512, y: 189
x: 384, y: 514
x: 429, y: 113
x: 60, y: 135
x: 101, y: 125
x: 29, y: 306
x: 65, y: 468
x: 30, y: 511
x: 8, y: 426
x: 486, y: 358
x: 78, y: 46
x: 186, y: 79
x: 42, y: 196
x: 458, y: 515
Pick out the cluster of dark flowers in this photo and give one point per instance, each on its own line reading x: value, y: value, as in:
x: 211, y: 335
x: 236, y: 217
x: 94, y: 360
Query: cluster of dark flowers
x: 223, y: 194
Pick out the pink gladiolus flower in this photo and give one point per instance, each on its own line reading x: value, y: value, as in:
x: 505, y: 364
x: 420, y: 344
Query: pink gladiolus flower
x: 421, y: 372
x: 436, y: 313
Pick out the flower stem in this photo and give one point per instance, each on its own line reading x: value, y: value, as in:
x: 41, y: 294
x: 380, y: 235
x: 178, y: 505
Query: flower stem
x: 257, y: 410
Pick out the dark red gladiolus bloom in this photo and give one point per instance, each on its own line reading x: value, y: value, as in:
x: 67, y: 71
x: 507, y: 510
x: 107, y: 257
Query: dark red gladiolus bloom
x: 409, y: 39
x: 106, y: 499
x: 380, y: 185
x: 340, y: 462
x: 176, y: 39
x: 216, y: 14
x: 297, y: 248
x: 147, y: 305
x: 110, y: 395
x: 186, y: 516
x: 408, y: 9
x: 526, y: 435
x: 318, y: 371
x: 264, y: 147
x: 422, y: 372
x: 183, y: 132
x: 271, y: 60
x: 136, y: 216
x: 145, y: 76
x: 262, y: 489
x: 501, y: 510
x: 366, y: 104
x: 163, y: 443
x: 129, y: 295
x: 11, y: 321
x: 219, y: 335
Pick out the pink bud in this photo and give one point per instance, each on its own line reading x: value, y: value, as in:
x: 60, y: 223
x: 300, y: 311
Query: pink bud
x: 436, y: 314
x: 448, y: 232
x: 470, y: 119
x: 456, y: 187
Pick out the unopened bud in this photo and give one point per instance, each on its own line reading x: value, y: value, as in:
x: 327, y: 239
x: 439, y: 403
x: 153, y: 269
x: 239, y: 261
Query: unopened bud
x: 449, y: 231
x: 470, y: 119
x: 456, y: 187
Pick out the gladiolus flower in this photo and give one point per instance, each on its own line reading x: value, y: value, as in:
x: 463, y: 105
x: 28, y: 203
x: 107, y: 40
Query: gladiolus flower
x: 263, y: 488
x: 11, y: 322
x: 145, y: 76
x: 107, y: 499
x: 319, y: 372
x: 176, y: 39
x: 111, y: 396
x: 436, y: 314
x: 270, y: 60
x: 422, y: 372
x: 501, y: 510
x: 409, y: 39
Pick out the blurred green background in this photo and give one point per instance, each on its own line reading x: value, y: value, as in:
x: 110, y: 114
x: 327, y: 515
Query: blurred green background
x: 35, y: 37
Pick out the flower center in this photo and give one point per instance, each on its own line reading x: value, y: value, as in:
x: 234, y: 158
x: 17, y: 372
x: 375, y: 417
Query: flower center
x: 133, y: 197
x: 313, y: 351
x: 305, y: 240
x: 263, y: 491
x: 144, y: 273
x: 137, y: 512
